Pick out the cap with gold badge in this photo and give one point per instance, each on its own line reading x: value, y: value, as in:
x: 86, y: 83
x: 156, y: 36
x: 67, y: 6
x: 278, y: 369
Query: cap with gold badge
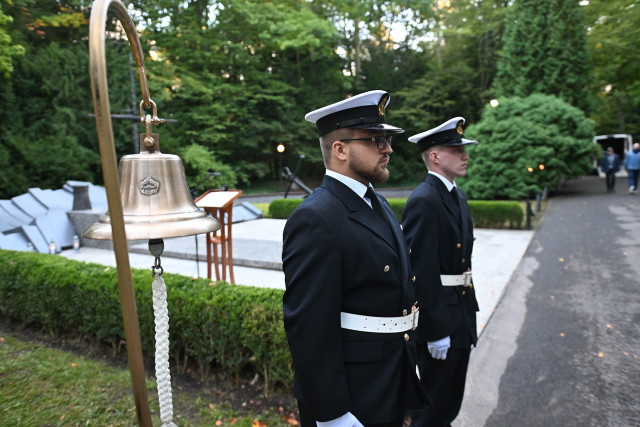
x: 363, y: 111
x: 449, y: 133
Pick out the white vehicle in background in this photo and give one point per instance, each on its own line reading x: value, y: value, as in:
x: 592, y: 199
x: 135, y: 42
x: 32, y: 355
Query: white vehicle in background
x: 621, y: 144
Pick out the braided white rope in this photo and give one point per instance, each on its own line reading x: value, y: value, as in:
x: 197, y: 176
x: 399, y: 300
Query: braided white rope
x: 163, y: 376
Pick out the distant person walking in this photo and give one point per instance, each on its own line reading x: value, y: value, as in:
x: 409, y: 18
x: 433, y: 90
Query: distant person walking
x: 632, y: 165
x: 610, y: 165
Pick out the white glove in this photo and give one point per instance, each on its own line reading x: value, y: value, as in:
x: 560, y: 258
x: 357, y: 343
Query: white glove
x: 347, y: 420
x: 438, y: 349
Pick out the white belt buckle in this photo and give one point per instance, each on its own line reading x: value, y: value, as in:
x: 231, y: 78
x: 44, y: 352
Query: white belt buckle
x: 414, y: 317
x: 467, y: 278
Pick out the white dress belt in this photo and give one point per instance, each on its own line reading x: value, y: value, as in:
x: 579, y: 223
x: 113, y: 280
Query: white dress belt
x: 384, y: 325
x: 463, y: 279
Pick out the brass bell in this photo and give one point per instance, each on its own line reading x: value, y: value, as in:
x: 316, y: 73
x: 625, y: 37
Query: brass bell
x: 156, y: 202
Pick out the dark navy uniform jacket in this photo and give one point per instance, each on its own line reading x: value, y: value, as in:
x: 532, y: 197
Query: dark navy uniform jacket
x: 339, y: 255
x: 440, y: 239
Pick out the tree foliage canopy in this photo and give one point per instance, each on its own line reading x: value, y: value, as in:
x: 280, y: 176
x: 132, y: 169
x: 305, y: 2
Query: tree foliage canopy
x: 7, y: 49
x: 239, y: 76
x: 615, y: 46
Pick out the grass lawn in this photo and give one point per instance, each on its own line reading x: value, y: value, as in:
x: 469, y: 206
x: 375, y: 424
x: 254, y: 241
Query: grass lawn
x: 41, y: 385
x: 264, y: 207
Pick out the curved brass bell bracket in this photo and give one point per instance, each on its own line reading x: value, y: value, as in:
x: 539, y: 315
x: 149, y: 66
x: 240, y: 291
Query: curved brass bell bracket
x: 142, y: 216
x: 98, y: 73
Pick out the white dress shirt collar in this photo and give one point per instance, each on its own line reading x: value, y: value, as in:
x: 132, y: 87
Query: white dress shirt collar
x: 356, y: 186
x: 445, y: 181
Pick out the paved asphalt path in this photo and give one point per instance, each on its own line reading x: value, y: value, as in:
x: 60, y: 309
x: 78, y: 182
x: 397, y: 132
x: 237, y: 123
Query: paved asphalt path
x: 563, y: 347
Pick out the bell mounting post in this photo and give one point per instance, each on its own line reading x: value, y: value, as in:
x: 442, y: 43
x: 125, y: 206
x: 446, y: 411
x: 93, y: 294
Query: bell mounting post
x: 152, y: 202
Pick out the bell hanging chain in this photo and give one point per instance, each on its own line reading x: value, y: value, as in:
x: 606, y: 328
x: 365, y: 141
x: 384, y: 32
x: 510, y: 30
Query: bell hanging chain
x: 161, y: 319
x: 156, y: 266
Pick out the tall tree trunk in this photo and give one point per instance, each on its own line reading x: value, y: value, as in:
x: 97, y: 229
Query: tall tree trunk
x: 356, y: 53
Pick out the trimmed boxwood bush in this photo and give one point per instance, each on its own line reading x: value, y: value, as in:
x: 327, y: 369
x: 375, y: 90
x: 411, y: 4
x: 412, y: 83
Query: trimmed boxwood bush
x: 496, y: 214
x: 282, y: 208
x: 485, y: 213
x: 212, y: 325
x: 397, y: 206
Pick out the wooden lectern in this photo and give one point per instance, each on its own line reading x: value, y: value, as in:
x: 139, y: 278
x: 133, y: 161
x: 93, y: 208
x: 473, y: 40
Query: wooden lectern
x: 219, y: 203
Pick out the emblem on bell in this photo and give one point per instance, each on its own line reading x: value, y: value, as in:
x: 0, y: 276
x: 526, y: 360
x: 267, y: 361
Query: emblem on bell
x: 149, y: 186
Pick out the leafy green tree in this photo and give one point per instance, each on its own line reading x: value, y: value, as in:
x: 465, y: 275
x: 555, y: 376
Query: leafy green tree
x: 473, y: 36
x: 7, y: 50
x: 429, y: 101
x: 46, y: 134
x: 545, y: 51
x: 45, y: 129
x: 525, y: 144
x: 615, y: 57
x: 243, y: 88
x: 197, y: 162
x: 454, y: 72
x: 366, y: 29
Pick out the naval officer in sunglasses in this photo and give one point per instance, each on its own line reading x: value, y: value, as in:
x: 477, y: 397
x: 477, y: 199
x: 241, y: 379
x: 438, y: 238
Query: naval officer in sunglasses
x: 349, y: 305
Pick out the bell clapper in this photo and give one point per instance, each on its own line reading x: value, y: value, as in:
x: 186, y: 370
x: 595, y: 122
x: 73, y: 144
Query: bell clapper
x: 161, y: 319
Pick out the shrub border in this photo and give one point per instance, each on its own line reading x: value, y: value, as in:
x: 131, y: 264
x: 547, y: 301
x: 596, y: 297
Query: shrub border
x: 485, y: 213
x: 212, y: 325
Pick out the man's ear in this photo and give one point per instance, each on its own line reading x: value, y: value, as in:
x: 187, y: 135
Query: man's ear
x: 339, y: 150
x: 433, y: 157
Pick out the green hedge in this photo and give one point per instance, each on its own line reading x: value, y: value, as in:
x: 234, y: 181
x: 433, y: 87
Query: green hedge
x: 397, y: 206
x: 496, y: 214
x: 485, y: 213
x: 282, y: 208
x: 212, y: 325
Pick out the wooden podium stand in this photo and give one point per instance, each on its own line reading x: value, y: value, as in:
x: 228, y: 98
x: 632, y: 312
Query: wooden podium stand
x: 219, y: 203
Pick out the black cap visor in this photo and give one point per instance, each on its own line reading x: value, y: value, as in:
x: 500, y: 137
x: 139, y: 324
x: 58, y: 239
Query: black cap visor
x: 450, y: 138
x: 380, y: 127
x: 461, y: 141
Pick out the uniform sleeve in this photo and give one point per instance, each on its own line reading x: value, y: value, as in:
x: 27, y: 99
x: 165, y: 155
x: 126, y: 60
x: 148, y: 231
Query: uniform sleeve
x: 421, y: 228
x: 312, y: 264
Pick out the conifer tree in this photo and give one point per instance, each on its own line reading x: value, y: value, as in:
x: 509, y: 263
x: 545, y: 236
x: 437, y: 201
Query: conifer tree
x: 545, y: 51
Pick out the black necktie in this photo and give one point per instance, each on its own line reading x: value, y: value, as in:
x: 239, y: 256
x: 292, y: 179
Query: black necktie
x: 454, y: 194
x: 375, y: 203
